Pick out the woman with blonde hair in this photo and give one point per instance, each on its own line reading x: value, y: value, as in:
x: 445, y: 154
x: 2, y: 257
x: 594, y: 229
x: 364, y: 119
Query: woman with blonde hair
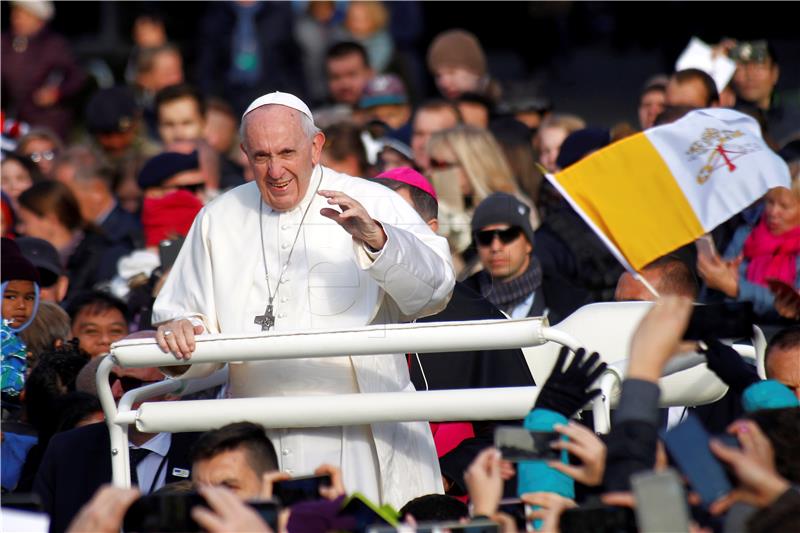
x: 467, y: 165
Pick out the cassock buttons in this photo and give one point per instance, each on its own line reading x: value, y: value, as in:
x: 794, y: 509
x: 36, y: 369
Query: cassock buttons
x: 281, y: 315
x: 284, y: 246
x: 284, y: 299
x: 284, y: 227
x: 285, y: 452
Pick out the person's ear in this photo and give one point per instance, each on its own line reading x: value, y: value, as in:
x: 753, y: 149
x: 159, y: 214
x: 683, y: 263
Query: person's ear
x: 316, y: 147
x: 434, y: 225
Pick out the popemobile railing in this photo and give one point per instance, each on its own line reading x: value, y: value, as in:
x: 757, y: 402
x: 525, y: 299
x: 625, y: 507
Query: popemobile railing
x: 511, y: 403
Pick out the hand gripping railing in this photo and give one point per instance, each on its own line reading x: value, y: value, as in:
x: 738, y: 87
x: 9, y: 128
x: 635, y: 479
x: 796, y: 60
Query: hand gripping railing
x: 316, y: 411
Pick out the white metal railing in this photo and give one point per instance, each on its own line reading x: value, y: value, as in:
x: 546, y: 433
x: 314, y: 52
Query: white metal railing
x: 435, y: 337
x: 346, y: 409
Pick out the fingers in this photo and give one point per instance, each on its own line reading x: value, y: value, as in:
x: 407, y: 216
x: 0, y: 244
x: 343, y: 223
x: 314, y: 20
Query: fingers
x: 547, y: 500
x: 729, y: 455
x: 562, y: 357
x: 177, y: 337
x: 268, y: 479
x: 337, y: 484
x: 506, y: 470
x: 619, y: 499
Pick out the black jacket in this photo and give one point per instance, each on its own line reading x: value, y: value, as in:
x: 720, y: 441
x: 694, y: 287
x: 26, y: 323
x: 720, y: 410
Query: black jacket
x: 473, y: 369
x: 78, y: 462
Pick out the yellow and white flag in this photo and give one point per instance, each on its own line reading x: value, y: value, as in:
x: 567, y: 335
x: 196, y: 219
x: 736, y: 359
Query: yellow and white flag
x: 655, y: 191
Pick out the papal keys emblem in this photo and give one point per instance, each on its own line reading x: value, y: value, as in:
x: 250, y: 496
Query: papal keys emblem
x: 720, y: 150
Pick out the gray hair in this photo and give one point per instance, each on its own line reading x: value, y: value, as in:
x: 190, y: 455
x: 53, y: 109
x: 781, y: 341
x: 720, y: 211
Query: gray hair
x: 306, y: 124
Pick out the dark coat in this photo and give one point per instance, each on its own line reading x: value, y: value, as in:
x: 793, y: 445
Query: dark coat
x: 78, y: 462
x: 123, y: 229
x: 466, y: 370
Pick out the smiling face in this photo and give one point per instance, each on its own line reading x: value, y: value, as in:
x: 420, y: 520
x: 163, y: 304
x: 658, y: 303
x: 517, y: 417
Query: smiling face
x: 96, y: 329
x: 18, y: 301
x: 281, y: 154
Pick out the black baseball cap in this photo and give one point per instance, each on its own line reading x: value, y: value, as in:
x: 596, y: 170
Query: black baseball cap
x: 44, y: 257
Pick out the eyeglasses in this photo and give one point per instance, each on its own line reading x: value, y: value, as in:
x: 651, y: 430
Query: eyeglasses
x: 507, y: 236
x: 438, y: 164
x: 128, y: 383
x: 47, y: 155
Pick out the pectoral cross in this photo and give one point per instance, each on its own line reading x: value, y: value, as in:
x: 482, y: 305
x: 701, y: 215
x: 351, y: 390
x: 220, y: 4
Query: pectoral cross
x: 267, y: 320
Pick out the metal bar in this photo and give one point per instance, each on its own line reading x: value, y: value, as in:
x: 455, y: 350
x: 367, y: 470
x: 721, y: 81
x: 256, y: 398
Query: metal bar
x: 371, y: 340
x: 507, y: 403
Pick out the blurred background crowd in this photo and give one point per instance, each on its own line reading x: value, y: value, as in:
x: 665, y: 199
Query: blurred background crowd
x: 120, y: 120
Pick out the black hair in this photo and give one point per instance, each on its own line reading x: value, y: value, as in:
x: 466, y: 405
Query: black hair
x: 250, y: 437
x: 695, y: 74
x: 344, y: 139
x: 785, y: 339
x: 780, y: 427
x: 438, y: 104
x: 178, y: 91
x: 98, y: 302
x: 676, y: 278
x: 345, y: 48
x: 53, y: 376
x: 435, y: 508
x: 47, y: 197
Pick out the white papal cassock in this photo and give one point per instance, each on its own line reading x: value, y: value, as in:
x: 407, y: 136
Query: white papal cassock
x: 331, y: 282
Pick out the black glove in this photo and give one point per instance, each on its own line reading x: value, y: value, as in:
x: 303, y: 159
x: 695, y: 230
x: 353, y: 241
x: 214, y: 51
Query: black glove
x: 726, y: 363
x: 565, y: 390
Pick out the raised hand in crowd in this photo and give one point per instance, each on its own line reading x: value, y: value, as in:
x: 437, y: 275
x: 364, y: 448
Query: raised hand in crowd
x: 227, y: 513
x: 658, y: 336
x: 754, y: 466
x: 105, y: 511
x: 587, y: 447
x: 336, y: 489
x: 565, y: 389
x: 726, y: 363
x: 485, y: 482
x: 550, y: 506
x: 354, y: 218
x: 720, y: 274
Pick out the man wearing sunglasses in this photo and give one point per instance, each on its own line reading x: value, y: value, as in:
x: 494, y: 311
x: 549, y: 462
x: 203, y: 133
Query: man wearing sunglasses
x: 511, y: 277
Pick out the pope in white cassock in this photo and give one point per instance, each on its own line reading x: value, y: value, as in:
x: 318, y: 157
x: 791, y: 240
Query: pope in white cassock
x: 277, y: 254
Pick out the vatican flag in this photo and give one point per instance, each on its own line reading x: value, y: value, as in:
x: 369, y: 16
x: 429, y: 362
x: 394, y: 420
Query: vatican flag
x: 653, y: 192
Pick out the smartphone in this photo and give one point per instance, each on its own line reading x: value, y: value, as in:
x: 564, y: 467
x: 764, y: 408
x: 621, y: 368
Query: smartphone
x: 728, y: 320
x: 687, y: 445
x: 23, y: 501
x: 781, y: 288
x: 168, y: 252
x: 268, y: 511
x: 516, y: 509
x: 705, y: 246
x: 598, y: 519
x: 475, y: 526
x: 519, y: 444
x: 365, y: 514
x: 170, y: 513
x: 300, y: 489
x: 660, y: 502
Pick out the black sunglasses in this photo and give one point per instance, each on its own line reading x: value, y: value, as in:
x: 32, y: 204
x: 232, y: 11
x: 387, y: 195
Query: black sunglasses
x: 507, y: 236
x: 128, y: 383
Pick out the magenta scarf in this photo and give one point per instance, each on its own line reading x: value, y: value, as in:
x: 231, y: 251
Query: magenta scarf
x: 771, y: 256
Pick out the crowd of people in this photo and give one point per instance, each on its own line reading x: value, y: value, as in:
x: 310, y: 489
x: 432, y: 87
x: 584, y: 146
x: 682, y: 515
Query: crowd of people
x: 274, y: 194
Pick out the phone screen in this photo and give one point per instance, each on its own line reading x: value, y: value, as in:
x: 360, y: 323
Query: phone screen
x: 300, y: 489
x: 268, y: 511
x: 519, y: 444
x: 660, y: 502
x: 597, y: 519
x: 729, y: 320
x: 163, y: 512
x: 365, y: 517
x: 687, y: 445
